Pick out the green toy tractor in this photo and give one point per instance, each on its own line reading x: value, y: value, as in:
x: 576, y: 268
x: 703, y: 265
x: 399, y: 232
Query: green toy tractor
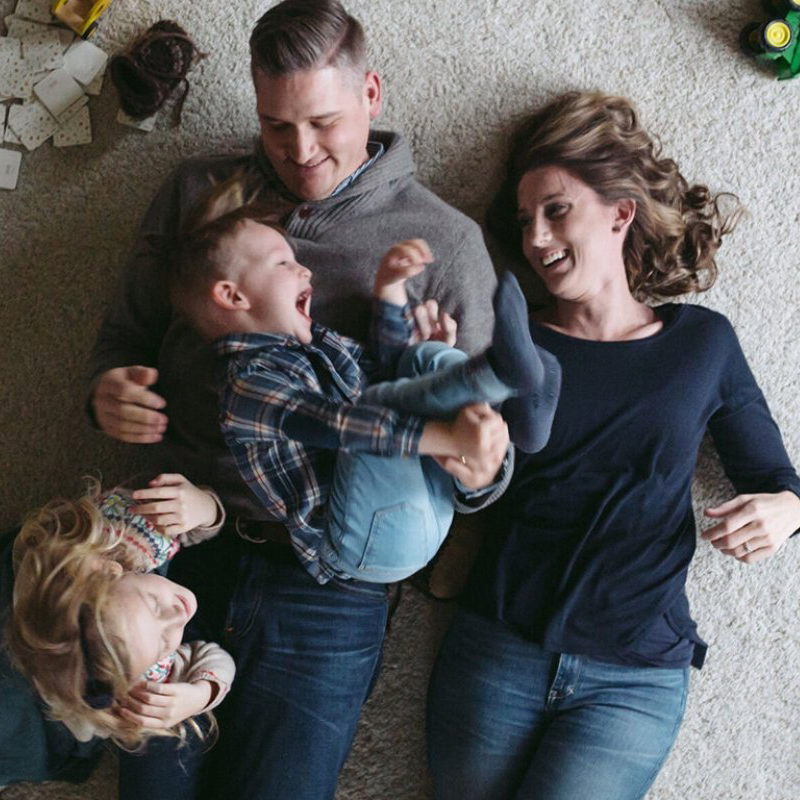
x: 778, y: 39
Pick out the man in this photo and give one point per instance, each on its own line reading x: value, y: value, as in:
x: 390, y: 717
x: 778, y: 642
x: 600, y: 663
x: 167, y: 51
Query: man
x: 307, y: 652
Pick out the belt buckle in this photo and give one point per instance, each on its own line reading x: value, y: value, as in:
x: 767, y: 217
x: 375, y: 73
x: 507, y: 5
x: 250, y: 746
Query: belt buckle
x: 243, y: 535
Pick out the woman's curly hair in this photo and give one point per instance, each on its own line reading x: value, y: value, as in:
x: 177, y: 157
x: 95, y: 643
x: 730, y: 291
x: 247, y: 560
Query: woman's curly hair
x: 670, y: 246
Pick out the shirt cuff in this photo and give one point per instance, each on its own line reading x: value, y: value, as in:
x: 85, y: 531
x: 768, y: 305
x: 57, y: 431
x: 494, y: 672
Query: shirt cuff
x: 469, y: 500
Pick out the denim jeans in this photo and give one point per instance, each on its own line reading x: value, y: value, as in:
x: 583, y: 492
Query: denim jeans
x: 508, y: 720
x: 389, y: 516
x: 306, y: 658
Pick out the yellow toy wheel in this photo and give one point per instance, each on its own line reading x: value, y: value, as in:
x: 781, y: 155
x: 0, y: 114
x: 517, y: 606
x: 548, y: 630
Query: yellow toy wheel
x: 776, y: 36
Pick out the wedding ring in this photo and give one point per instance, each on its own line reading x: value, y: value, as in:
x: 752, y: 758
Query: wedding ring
x: 464, y: 460
x: 746, y: 547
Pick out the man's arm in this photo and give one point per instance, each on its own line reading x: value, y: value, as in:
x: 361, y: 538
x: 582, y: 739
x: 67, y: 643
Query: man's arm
x: 122, y: 362
x: 466, y: 284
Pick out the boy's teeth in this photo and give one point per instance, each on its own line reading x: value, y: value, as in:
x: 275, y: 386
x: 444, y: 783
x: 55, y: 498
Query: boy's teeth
x: 553, y: 257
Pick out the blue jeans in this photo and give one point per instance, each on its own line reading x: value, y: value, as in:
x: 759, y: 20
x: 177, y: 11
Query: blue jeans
x: 389, y: 516
x: 306, y: 658
x: 508, y: 720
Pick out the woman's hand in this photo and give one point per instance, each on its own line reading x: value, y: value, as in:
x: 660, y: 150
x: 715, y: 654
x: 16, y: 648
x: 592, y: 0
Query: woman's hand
x: 175, y: 505
x: 754, y: 526
x: 162, y: 705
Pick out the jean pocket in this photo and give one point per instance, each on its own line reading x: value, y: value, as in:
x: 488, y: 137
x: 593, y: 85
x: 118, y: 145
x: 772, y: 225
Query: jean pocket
x: 399, y: 540
x: 245, y: 601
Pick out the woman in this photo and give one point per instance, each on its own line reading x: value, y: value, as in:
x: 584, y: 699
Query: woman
x: 565, y: 673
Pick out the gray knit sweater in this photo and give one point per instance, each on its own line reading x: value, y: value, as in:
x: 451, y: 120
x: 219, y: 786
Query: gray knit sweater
x: 340, y: 239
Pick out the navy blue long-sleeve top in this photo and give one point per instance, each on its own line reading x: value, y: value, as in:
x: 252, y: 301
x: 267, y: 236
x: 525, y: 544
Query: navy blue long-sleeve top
x: 593, y: 539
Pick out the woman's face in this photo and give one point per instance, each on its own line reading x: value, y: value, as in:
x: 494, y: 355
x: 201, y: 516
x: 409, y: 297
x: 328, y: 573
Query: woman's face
x: 571, y: 237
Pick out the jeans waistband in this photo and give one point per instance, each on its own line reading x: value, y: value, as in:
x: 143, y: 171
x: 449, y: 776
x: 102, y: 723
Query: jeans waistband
x: 261, y: 531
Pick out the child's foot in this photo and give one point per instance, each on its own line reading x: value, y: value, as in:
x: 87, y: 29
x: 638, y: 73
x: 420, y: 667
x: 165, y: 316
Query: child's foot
x: 533, y: 373
x: 530, y: 416
x: 513, y: 355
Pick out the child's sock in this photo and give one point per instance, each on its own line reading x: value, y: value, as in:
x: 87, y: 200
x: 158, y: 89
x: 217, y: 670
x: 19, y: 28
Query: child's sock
x: 533, y: 373
x: 513, y: 355
x: 530, y: 416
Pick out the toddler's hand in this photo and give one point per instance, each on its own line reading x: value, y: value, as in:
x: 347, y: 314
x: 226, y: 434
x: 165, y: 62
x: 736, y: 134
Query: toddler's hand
x: 402, y: 261
x: 175, y: 505
x: 162, y: 705
x: 433, y: 325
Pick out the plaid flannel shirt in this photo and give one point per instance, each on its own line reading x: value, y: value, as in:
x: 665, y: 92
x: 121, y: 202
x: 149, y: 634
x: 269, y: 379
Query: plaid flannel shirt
x: 287, y: 407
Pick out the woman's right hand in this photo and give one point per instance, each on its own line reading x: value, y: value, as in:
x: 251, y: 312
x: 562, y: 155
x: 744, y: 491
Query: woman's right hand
x: 175, y: 505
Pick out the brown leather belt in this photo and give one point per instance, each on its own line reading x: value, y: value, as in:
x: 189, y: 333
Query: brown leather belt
x: 261, y: 531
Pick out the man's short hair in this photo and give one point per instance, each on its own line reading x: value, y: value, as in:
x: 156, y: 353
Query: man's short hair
x: 298, y: 35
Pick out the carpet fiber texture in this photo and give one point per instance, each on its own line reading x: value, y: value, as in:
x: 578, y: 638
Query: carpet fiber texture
x: 456, y: 74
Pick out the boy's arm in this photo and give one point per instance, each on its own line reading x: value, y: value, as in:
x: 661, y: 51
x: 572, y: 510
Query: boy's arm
x: 391, y: 322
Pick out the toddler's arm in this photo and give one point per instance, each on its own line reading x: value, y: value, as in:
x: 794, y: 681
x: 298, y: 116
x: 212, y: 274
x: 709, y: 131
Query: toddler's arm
x: 199, y: 680
x: 401, y: 262
x: 178, y: 508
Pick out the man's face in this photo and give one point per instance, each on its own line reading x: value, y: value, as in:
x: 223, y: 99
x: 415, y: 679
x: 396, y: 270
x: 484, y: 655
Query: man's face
x: 315, y: 124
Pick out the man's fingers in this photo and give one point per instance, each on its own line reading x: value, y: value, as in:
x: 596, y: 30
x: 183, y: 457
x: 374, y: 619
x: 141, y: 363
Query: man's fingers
x: 144, y: 376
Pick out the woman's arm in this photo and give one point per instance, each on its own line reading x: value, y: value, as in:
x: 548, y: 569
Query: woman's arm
x: 766, y: 510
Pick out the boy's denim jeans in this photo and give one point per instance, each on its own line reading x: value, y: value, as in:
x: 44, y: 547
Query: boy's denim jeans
x: 510, y: 721
x: 389, y: 516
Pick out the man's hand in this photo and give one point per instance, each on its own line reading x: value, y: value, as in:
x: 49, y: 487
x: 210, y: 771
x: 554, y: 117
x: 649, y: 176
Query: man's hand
x: 162, y: 705
x: 401, y: 262
x: 126, y: 409
x: 433, y: 325
x: 479, y: 468
x: 175, y: 505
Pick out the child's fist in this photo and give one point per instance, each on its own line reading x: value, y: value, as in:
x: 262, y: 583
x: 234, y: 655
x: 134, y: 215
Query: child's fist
x: 401, y: 262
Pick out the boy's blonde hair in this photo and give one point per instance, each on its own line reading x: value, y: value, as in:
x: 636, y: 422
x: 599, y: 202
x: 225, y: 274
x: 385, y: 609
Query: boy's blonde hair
x: 196, y: 263
x: 60, y: 634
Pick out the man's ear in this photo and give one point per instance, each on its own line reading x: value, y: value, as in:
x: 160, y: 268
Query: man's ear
x: 226, y: 295
x: 373, y: 93
x: 625, y: 211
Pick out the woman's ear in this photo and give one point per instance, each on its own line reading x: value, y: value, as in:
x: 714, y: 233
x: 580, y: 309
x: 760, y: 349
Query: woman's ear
x: 624, y: 212
x: 226, y: 295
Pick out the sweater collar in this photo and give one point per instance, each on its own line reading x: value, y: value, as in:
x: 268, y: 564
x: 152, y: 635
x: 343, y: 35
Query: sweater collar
x: 390, y: 159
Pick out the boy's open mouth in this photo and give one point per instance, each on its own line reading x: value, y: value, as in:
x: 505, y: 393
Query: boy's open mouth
x: 304, y: 303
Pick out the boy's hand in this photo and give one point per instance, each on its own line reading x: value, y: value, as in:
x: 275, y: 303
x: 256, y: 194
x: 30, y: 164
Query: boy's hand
x: 402, y: 261
x: 433, y: 325
x: 175, y: 505
x: 162, y: 705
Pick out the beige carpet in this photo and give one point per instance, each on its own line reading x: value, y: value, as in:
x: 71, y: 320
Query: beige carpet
x: 455, y: 72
